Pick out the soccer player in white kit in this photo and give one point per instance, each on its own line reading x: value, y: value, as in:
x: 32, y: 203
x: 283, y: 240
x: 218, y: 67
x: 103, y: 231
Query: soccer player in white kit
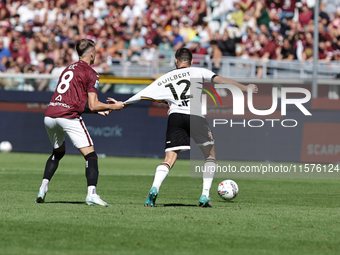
x: 77, y: 84
x: 174, y: 88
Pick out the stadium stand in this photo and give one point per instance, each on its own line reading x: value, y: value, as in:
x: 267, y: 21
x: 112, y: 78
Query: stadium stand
x: 239, y: 38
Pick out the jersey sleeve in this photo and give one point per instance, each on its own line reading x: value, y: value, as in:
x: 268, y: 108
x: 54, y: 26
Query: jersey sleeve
x: 92, y: 82
x: 150, y: 93
x: 208, y: 75
x: 134, y: 99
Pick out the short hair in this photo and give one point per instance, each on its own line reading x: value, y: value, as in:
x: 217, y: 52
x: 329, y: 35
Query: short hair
x: 183, y: 55
x: 83, y: 46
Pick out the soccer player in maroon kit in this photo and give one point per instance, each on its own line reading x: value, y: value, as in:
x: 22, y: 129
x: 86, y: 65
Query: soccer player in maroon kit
x: 77, y: 85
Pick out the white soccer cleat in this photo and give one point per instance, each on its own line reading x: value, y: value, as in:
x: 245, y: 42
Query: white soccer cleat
x: 96, y: 200
x: 41, y: 196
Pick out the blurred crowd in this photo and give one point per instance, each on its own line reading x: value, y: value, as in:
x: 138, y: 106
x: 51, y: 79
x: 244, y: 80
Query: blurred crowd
x: 39, y: 36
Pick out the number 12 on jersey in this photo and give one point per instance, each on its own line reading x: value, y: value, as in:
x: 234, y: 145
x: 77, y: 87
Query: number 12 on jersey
x: 183, y: 94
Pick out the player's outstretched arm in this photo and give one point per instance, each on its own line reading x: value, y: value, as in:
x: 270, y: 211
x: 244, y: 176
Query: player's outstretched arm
x: 96, y: 106
x: 224, y: 80
x: 111, y: 100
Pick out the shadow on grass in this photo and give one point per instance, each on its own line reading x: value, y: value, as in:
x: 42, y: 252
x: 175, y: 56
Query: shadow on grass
x: 178, y: 205
x: 66, y: 202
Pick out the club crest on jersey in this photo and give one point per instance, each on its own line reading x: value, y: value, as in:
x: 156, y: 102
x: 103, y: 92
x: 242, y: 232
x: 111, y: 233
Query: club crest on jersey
x: 96, y: 84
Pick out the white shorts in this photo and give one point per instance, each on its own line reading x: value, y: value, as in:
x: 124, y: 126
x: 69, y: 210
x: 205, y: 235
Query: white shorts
x: 74, y: 128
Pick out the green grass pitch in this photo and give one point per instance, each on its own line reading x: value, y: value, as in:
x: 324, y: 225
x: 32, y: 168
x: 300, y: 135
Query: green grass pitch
x: 269, y: 216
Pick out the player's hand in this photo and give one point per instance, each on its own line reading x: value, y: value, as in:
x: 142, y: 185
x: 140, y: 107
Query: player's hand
x: 253, y: 87
x: 111, y: 100
x: 118, y: 105
x: 104, y: 113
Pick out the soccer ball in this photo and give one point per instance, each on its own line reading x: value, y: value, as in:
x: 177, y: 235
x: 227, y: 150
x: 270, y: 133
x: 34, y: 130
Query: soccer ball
x: 5, y: 146
x: 227, y: 189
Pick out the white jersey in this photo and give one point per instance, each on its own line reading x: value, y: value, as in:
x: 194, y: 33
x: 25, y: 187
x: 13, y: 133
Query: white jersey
x: 174, y: 88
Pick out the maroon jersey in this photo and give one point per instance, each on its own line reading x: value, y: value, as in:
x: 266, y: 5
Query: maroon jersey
x: 270, y: 47
x: 328, y: 52
x: 304, y: 18
x: 248, y: 45
x: 326, y: 36
x: 289, y: 5
x: 70, y: 96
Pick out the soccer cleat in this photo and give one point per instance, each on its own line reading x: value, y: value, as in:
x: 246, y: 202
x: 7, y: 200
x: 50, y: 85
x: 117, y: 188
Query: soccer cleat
x: 95, y: 200
x: 151, y: 198
x: 41, y: 196
x: 204, y: 201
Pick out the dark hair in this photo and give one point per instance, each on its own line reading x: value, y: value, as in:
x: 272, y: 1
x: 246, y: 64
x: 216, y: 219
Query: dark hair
x: 74, y: 14
x: 183, y: 55
x: 213, y: 42
x: 83, y: 45
x: 63, y: 6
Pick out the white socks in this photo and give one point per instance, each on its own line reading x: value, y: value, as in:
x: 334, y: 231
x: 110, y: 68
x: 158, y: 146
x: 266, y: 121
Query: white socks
x: 208, y: 175
x: 91, y: 190
x: 161, y: 173
x: 44, y: 185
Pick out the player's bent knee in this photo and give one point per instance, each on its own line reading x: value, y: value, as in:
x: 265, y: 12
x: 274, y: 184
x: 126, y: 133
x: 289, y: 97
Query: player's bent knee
x: 58, y: 154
